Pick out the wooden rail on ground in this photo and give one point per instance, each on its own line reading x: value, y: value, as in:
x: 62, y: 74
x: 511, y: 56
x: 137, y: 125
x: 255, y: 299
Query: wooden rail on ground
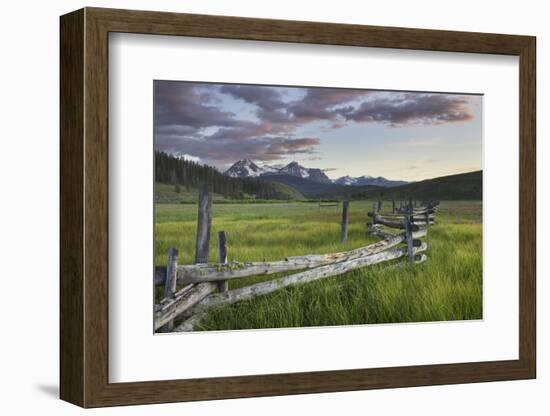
x: 205, y: 285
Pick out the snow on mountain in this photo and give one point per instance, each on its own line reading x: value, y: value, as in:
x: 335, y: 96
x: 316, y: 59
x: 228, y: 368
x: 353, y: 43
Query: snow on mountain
x: 368, y: 180
x: 266, y: 169
x: 345, y: 180
x: 295, y: 169
x: 246, y: 168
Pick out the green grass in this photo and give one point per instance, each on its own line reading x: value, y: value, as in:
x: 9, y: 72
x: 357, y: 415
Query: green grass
x: 167, y: 194
x: 447, y: 287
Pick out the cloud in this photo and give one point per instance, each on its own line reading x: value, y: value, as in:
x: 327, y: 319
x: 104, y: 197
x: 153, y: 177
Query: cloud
x: 267, y: 98
x: 203, y: 120
x: 317, y: 104
x: 179, y: 104
x: 222, y: 152
x: 320, y: 103
x: 411, y: 109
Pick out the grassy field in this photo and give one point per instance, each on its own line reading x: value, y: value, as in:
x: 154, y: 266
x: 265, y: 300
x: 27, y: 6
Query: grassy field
x: 446, y: 287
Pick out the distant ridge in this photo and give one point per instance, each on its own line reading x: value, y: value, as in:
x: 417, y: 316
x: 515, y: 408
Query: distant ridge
x: 368, y: 180
x: 452, y: 187
x: 313, y: 189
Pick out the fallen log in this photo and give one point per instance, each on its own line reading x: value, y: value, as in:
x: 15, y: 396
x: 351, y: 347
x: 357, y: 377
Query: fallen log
x: 264, y: 288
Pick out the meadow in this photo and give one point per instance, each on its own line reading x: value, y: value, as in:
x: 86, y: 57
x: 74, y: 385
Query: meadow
x: 446, y: 287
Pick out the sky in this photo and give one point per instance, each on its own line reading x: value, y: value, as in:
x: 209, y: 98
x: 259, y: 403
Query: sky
x: 395, y: 134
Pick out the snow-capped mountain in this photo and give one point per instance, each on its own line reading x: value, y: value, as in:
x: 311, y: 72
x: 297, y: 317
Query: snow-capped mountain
x: 267, y: 169
x: 346, y: 180
x: 247, y: 168
x: 295, y: 169
x: 368, y: 180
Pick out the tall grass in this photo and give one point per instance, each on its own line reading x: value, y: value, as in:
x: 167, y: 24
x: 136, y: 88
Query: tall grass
x: 447, y: 287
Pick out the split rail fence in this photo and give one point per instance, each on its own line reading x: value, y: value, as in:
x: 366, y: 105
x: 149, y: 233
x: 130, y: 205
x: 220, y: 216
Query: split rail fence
x: 204, y: 286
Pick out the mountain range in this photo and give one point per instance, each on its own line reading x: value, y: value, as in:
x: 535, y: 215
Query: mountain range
x: 368, y: 180
x: 246, y: 168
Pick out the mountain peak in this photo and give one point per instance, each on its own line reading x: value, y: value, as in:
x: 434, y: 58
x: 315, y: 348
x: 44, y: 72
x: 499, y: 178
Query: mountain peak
x: 243, y: 168
x: 244, y: 162
x: 295, y: 169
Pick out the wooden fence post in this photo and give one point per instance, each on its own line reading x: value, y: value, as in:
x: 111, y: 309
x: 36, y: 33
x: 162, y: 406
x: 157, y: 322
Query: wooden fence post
x: 222, y: 258
x: 171, y: 269
x: 345, y: 207
x: 204, y: 223
x: 379, y: 206
x: 393, y: 206
x: 170, y: 282
x: 409, y: 234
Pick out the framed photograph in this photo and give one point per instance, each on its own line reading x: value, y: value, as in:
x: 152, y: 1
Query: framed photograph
x: 255, y: 207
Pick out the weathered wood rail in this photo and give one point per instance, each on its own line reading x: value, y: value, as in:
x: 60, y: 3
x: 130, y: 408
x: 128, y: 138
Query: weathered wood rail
x: 264, y: 288
x: 197, y: 273
x: 204, y: 285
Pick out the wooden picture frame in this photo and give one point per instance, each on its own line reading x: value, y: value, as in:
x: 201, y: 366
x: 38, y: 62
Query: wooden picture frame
x: 84, y: 207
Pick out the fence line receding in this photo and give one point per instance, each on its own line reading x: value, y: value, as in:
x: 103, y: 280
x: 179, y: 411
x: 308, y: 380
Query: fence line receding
x: 204, y: 286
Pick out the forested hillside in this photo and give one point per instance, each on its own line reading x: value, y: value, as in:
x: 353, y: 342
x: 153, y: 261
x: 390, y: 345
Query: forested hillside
x: 463, y: 186
x: 189, y: 175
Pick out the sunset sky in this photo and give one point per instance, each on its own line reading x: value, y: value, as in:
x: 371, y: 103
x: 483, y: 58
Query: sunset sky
x: 398, y: 135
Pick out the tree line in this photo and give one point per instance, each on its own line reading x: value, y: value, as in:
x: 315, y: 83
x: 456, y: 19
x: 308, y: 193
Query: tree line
x: 190, y: 175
